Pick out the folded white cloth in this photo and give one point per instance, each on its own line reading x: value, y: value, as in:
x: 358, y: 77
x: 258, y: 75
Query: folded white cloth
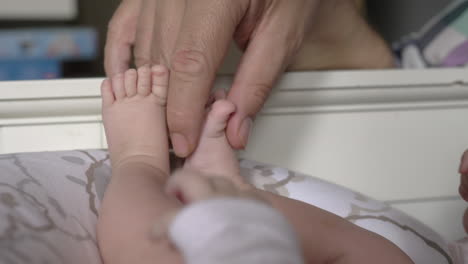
x: 234, y: 231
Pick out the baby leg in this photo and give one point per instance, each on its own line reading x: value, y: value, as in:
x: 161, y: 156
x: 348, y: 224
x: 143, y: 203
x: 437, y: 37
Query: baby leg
x: 213, y: 154
x: 134, y: 119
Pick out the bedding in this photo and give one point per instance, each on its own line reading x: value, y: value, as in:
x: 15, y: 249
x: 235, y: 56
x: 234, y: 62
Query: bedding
x: 49, y: 204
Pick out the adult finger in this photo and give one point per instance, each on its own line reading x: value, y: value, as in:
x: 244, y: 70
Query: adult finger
x: 144, y: 33
x: 168, y: 17
x: 120, y: 37
x: 463, y: 169
x: 274, y: 42
x: 252, y: 85
x: 464, y: 163
x: 463, y: 188
x: 206, y: 31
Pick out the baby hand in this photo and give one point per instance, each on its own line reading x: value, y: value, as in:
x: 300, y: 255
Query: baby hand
x: 190, y: 186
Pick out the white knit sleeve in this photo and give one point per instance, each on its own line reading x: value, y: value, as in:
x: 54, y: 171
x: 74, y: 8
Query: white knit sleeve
x: 234, y: 231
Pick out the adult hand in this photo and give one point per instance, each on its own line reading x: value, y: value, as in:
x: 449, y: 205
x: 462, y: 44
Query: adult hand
x: 191, y: 38
x: 463, y: 170
x: 463, y: 188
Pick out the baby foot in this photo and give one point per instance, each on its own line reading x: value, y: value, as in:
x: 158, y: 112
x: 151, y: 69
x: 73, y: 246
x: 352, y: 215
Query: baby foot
x: 134, y: 115
x: 214, y: 155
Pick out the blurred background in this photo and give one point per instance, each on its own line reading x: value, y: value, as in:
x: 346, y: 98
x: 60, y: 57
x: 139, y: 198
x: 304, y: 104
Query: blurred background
x: 46, y: 39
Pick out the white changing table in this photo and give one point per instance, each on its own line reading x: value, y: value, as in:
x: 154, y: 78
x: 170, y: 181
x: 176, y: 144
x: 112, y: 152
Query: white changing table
x: 395, y: 135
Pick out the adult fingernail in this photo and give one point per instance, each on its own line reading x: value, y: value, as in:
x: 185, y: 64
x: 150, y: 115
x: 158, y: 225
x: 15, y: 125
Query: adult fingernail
x: 180, y: 144
x: 244, y: 131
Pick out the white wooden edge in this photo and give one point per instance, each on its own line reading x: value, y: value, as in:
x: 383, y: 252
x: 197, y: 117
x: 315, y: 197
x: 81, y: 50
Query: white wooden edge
x: 40, y: 10
x: 78, y: 100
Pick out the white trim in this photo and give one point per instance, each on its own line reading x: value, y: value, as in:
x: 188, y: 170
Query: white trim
x: 50, y: 120
x: 65, y: 88
x: 374, y: 78
x: 41, y: 10
x: 290, y: 81
x: 294, y: 81
x: 296, y: 93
